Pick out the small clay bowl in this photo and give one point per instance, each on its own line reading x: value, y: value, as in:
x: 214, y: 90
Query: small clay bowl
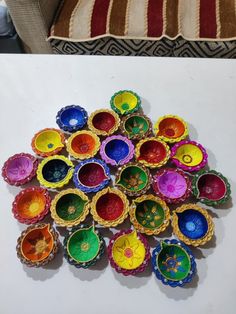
x: 136, y: 126
x: 19, y: 169
x: 117, y: 150
x: 91, y: 175
x: 173, y: 263
x: 211, y: 187
x: 83, y: 144
x: 103, y: 122
x: 69, y: 207
x: 109, y: 207
x: 172, y: 185
x: 31, y: 205
x: 192, y: 224
x: 55, y: 171
x: 125, y: 102
x: 48, y: 142
x: 149, y: 214
x: 133, y: 179
x: 128, y: 252
x: 189, y: 155
x: 37, y: 245
x: 171, y: 129
x: 83, y: 246
x: 72, y: 118
x: 152, y: 152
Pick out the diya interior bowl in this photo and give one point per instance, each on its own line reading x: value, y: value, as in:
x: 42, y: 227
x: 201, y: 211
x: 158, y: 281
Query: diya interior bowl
x: 91, y: 175
x: 71, y: 118
x: 136, y: 126
x: 55, y: 171
x: 125, y: 102
x: 117, y: 150
x: 171, y: 129
x: 149, y: 214
x: 19, y: 169
x: 152, y: 152
x: 173, y: 263
x: 189, y: 155
x: 109, y: 207
x: 83, y: 246
x: 48, y: 142
x: 83, y: 144
x: 128, y: 252
x: 211, y: 187
x: 172, y: 185
x: 37, y: 245
x: 103, y: 122
x: 192, y: 224
x: 69, y: 207
x: 31, y: 205
x: 133, y: 179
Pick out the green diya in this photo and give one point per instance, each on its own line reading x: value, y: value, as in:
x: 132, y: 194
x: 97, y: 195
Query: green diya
x: 136, y: 126
x: 125, y: 102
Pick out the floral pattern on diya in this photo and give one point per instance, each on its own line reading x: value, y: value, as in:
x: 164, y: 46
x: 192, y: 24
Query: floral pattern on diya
x: 136, y: 126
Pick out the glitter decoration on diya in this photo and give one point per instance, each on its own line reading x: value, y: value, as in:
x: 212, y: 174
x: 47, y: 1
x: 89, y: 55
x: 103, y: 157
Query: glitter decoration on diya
x: 136, y: 126
x: 71, y: 118
x: 37, y: 245
x: 103, y: 122
x: 128, y: 252
x: 125, y: 102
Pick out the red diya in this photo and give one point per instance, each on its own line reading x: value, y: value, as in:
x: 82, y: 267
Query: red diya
x: 103, y: 122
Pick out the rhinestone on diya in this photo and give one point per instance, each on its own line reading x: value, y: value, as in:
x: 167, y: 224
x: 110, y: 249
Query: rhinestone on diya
x: 83, y: 246
x: 37, y: 245
x: 152, y: 152
x: 125, y: 102
x: 171, y: 129
x: 211, y: 187
x: 19, y: 169
x: 103, y: 122
x: 109, y: 207
x: 173, y: 263
x: 48, y: 142
x: 71, y: 118
x: 149, y: 214
x: 91, y: 175
x: 128, y: 252
x: 136, y: 126
x: 189, y: 155
x: 192, y: 224
x: 55, y: 171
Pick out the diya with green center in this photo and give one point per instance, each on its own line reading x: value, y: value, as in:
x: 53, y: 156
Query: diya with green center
x: 136, y: 126
x: 125, y: 102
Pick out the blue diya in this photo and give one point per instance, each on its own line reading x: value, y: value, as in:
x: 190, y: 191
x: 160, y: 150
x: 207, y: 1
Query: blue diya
x: 71, y: 118
x: 173, y: 263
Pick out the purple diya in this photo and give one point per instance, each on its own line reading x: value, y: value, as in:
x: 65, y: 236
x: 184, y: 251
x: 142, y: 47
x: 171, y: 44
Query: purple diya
x: 172, y: 185
x: 19, y: 169
x: 117, y: 150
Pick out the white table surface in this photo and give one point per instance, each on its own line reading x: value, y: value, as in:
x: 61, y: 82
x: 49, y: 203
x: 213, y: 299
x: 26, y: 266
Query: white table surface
x: 32, y: 90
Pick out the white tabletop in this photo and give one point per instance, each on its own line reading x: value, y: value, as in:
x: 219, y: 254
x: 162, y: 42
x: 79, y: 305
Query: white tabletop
x: 32, y: 90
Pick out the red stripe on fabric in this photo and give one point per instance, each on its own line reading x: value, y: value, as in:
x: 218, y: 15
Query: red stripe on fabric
x: 99, y: 17
x: 155, y: 18
x: 208, y: 26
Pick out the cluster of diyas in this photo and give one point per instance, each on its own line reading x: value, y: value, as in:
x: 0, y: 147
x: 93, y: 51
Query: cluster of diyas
x: 153, y: 168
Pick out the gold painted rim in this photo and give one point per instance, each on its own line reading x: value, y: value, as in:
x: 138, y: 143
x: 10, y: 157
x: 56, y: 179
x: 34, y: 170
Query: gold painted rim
x: 100, y: 132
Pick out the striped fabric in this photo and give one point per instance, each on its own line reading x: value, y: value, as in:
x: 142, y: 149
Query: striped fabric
x: 84, y: 20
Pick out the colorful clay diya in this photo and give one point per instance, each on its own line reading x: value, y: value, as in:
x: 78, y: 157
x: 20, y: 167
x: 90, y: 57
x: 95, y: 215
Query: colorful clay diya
x: 152, y: 152
x: 48, y: 142
x: 189, y: 155
x: 37, y: 245
x: 91, y: 175
x: 83, y: 246
x: 109, y: 207
x: 171, y: 129
x: 128, y: 252
x: 149, y: 214
x: 31, y: 205
x: 133, y: 179
x: 211, y: 187
x: 117, y: 150
x: 71, y: 118
x: 55, y: 171
x: 83, y: 144
x: 172, y: 185
x: 173, y: 263
x: 103, y: 122
x: 136, y: 126
x: 19, y: 169
x: 192, y: 224
x: 125, y: 102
